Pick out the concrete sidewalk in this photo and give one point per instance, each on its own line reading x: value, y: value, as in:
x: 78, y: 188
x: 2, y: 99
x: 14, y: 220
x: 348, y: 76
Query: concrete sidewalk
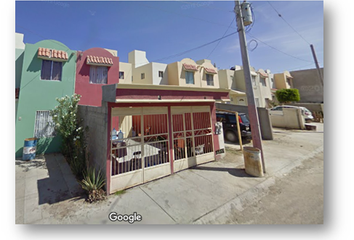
x: 47, y: 192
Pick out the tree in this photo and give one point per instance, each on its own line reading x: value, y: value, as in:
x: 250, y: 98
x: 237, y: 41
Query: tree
x: 288, y: 95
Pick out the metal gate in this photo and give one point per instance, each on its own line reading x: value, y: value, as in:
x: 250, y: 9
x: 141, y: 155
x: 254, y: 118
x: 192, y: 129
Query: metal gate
x: 139, y: 146
x: 191, y: 136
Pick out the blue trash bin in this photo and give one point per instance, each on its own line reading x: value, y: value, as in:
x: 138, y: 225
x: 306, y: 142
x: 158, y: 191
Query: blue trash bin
x: 29, y: 149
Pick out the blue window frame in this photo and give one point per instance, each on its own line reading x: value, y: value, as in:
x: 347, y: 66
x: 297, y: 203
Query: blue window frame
x: 51, y: 70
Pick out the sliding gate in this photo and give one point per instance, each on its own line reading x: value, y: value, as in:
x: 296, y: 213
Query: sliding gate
x: 139, y: 146
x: 191, y: 136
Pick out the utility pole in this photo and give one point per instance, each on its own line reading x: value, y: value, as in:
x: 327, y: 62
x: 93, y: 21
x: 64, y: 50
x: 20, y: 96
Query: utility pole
x: 252, y: 109
x: 316, y: 62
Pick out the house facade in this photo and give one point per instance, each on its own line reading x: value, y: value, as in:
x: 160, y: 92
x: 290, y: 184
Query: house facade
x: 48, y: 72
x: 234, y: 80
x: 95, y: 67
x: 143, y: 132
x: 159, y: 119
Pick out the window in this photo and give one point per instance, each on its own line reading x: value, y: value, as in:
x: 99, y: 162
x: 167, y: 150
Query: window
x: 210, y: 79
x: 51, y: 70
x: 44, y: 125
x: 263, y: 82
x: 160, y: 73
x: 121, y: 75
x: 98, y: 75
x: 189, y: 77
x: 253, y: 81
x: 142, y: 75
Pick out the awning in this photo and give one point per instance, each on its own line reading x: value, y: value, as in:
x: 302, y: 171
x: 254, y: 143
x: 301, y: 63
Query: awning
x: 99, y: 61
x: 210, y: 71
x: 264, y: 75
x: 190, y: 67
x: 52, y: 54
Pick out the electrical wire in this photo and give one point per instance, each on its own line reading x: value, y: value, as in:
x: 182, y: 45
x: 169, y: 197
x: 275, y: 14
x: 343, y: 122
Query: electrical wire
x: 278, y: 49
x: 287, y: 22
x: 221, y: 39
x: 187, y: 51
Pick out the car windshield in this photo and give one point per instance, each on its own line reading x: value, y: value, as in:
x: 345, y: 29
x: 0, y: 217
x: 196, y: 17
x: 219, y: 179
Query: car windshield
x: 244, y: 119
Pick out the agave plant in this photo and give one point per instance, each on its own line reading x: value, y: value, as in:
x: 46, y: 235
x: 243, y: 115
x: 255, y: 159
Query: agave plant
x: 93, y: 184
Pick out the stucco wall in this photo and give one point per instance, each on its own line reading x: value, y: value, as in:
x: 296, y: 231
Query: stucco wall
x: 288, y: 118
x: 92, y: 93
x: 156, y: 67
x: 207, y: 64
x: 226, y: 78
x: 147, y: 70
x: 37, y: 94
x: 128, y: 72
x: 309, y: 85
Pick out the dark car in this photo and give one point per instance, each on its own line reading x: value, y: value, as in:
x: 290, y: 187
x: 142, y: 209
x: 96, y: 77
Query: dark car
x: 230, y: 126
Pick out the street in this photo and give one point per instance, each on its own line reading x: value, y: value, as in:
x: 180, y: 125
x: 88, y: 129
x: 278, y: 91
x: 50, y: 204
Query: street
x: 296, y: 198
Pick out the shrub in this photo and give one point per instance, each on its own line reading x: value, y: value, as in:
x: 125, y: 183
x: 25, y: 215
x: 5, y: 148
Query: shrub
x: 69, y: 127
x: 288, y: 95
x: 93, y: 183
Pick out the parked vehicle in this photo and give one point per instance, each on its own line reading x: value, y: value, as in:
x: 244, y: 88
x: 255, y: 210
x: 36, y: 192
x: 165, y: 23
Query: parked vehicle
x: 305, y: 112
x: 230, y: 126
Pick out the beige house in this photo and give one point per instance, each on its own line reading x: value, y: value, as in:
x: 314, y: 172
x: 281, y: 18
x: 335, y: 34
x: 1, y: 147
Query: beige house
x: 189, y: 73
x: 234, y: 81
x: 283, y: 80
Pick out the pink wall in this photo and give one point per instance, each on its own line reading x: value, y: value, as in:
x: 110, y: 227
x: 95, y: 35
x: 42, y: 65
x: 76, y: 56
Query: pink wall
x: 92, y: 93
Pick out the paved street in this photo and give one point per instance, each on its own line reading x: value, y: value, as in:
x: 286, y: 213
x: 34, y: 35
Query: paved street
x: 218, y: 192
x: 295, y: 198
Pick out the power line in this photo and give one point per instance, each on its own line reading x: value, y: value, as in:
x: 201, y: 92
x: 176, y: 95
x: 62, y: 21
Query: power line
x: 278, y: 49
x: 222, y: 36
x: 206, y: 44
x: 287, y: 22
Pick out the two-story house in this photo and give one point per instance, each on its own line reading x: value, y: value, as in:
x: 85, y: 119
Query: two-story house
x: 156, y: 124
x: 234, y: 80
x: 48, y: 72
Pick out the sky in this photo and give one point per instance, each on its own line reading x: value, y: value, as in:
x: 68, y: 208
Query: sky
x: 166, y: 31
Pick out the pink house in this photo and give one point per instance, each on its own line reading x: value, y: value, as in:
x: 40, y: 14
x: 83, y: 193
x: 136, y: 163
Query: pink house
x: 95, y: 67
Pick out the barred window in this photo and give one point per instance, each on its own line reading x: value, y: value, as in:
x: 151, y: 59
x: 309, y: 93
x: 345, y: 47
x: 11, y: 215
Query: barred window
x: 44, y: 125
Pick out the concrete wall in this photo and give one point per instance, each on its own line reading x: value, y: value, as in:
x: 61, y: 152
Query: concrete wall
x: 263, y: 117
x: 137, y: 58
x: 156, y: 80
x: 309, y: 85
x: 96, y: 120
x: 226, y: 78
x: 147, y: 70
x: 288, y: 118
x: 128, y: 72
x: 40, y: 95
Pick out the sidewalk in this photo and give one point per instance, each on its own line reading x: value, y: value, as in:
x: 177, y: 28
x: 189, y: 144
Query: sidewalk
x: 47, y: 193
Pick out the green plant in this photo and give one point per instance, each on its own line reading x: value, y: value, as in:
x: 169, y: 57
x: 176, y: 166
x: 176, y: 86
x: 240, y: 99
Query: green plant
x: 288, y: 95
x: 69, y: 127
x: 93, y: 183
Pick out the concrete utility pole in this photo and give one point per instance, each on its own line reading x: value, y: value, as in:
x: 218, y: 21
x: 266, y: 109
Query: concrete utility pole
x: 316, y: 62
x: 252, y: 109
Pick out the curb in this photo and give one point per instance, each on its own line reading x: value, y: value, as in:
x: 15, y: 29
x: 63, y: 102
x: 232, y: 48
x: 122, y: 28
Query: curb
x: 222, y: 214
